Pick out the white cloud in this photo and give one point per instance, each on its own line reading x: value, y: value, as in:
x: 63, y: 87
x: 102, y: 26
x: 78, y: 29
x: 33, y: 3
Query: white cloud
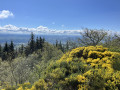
x: 5, y: 14
x: 39, y: 30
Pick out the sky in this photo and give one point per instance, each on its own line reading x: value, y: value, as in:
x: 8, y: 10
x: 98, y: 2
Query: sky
x: 59, y: 15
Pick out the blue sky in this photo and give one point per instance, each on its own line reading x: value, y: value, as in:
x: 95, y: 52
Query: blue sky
x: 63, y: 14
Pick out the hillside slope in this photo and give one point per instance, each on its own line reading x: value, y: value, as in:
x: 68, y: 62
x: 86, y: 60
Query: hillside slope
x: 84, y: 68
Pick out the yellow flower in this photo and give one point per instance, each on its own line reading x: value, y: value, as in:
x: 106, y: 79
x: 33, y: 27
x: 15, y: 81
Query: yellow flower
x: 96, y: 60
x: 20, y: 88
x: 81, y: 78
x: 88, y: 73
x: 89, y: 60
x: 92, y: 64
x: 27, y: 83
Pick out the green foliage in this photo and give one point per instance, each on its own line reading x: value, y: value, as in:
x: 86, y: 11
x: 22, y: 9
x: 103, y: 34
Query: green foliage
x: 113, y: 43
x: 10, y: 88
x: 116, y: 63
x: 40, y: 85
x: 21, y: 49
x: 83, y: 68
x: 39, y: 66
x: 8, y: 52
x: 32, y: 43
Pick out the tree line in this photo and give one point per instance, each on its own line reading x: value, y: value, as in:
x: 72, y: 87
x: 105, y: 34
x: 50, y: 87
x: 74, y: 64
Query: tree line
x: 88, y: 37
x: 9, y: 52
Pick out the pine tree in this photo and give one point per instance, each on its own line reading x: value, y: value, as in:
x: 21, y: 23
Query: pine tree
x: 32, y: 43
x: 40, y: 43
x: 5, y: 52
x: 37, y: 43
x: 6, y: 48
x: 27, y: 50
x: 60, y: 46
x: 11, y: 51
x: 11, y: 47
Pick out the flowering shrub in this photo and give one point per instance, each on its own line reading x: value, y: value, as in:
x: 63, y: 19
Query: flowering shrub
x: 84, y: 68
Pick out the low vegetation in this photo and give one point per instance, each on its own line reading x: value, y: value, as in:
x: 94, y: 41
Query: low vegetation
x: 93, y: 66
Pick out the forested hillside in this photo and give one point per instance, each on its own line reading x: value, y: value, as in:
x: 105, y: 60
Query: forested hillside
x: 91, y: 64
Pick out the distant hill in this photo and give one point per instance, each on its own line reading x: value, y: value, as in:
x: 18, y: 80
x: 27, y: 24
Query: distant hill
x: 19, y: 38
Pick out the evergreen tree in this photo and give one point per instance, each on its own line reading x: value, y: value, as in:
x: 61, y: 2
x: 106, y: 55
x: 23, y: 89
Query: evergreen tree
x: 5, y: 52
x: 6, y: 48
x: 40, y: 43
x: 37, y: 43
x: 11, y: 47
x: 32, y: 43
x: 60, y: 45
x: 27, y: 50
x: 11, y: 51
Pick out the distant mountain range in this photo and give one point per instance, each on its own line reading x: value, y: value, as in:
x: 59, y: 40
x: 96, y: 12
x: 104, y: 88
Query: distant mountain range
x: 24, y: 38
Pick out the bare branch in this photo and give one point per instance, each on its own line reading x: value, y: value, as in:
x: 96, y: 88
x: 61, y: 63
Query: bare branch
x: 92, y: 37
